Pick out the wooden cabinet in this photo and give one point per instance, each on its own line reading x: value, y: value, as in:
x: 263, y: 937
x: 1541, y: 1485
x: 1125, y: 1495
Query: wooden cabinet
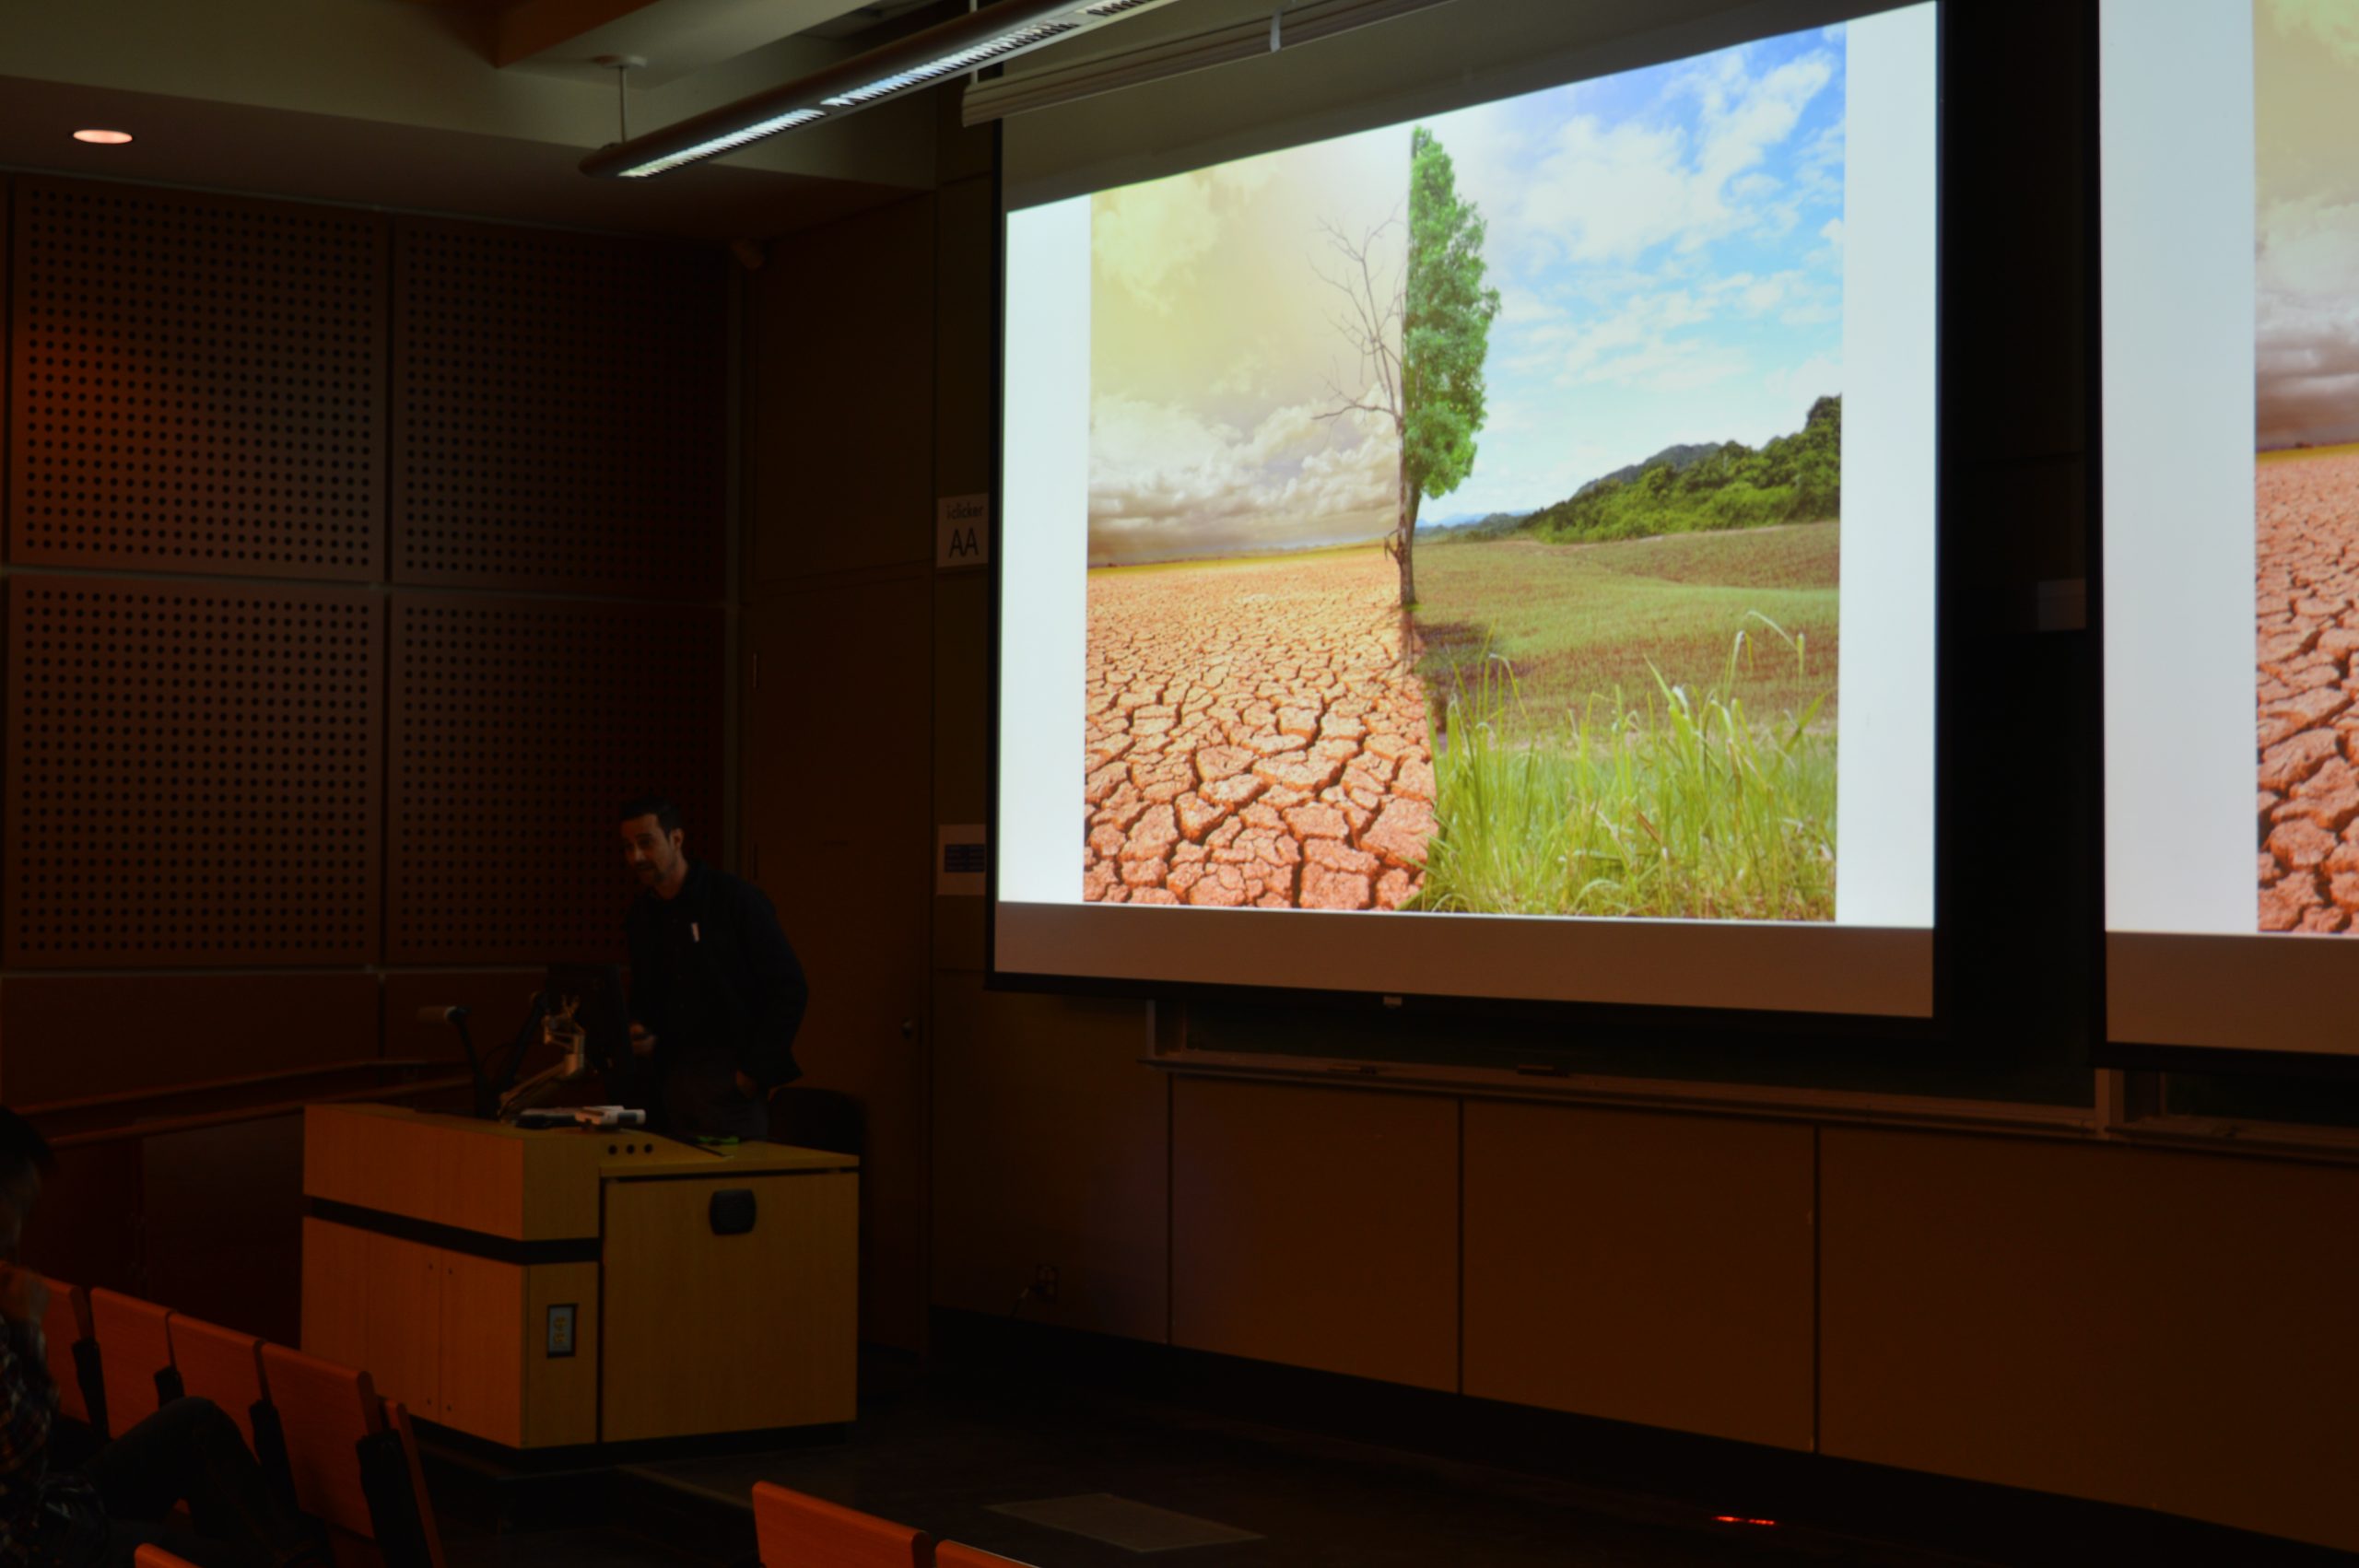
x: 495, y: 1281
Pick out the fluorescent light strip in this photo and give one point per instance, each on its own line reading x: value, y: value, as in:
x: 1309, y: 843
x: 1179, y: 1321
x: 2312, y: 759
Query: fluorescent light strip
x: 1115, y: 7
x: 738, y: 138
x: 949, y: 64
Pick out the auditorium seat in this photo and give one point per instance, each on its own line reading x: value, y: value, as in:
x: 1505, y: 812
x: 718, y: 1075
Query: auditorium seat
x: 429, y: 1534
x: 157, y: 1557
x: 951, y: 1555
x: 796, y: 1531
x: 135, y: 1352
x: 354, y: 1461
x: 326, y: 1411
x: 72, y: 1362
x: 224, y: 1366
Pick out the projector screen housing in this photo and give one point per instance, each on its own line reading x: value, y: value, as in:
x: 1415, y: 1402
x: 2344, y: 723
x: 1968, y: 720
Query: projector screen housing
x: 1112, y: 406
x: 2231, y: 297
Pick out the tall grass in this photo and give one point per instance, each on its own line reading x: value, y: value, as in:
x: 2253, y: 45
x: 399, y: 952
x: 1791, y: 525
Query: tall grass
x: 1682, y: 804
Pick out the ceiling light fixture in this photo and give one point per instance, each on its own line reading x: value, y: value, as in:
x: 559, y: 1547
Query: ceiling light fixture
x: 980, y: 38
x: 103, y: 138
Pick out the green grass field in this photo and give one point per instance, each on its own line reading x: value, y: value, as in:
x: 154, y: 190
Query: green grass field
x: 1639, y: 728
x: 1577, y: 623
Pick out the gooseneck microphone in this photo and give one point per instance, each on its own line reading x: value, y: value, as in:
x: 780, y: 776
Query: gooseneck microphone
x: 456, y: 1017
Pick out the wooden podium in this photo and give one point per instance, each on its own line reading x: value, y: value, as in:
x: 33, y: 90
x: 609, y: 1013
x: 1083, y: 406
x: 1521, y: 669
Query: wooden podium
x: 546, y: 1288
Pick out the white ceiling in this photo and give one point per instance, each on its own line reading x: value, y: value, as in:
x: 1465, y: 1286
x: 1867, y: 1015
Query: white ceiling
x: 470, y: 107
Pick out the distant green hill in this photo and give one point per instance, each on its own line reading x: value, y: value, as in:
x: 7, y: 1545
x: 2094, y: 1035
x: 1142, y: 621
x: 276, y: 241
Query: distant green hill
x: 1687, y: 489
x: 1675, y: 458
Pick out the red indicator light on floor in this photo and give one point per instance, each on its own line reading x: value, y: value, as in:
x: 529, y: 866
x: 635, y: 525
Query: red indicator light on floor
x: 103, y: 138
x: 1740, y: 1519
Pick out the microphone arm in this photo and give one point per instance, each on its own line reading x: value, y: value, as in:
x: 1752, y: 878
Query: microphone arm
x: 524, y: 1094
x: 558, y: 1027
x: 457, y: 1018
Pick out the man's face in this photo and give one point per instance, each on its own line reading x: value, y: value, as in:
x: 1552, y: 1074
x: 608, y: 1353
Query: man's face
x: 653, y: 854
x: 15, y: 1207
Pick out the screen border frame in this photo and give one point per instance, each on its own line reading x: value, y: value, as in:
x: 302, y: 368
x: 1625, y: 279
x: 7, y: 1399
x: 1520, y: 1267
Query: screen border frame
x: 2107, y: 1052
x: 1938, y: 1024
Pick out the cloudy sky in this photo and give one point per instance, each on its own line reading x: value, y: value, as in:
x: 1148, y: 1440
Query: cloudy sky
x: 1214, y: 354
x: 1669, y: 246
x: 2306, y: 56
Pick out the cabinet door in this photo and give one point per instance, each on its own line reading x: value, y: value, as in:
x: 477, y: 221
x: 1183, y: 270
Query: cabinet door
x: 482, y: 1359
x: 375, y: 1302
x: 707, y: 1333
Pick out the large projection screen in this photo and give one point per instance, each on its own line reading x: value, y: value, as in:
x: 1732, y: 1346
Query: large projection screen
x: 1491, y: 553
x: 2230, y: 215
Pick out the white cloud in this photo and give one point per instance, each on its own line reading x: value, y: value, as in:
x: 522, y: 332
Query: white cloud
x: 1165, y: 483
x: 1521, y: 307
x: 1248, y: 376
x: 1148, y: 237
x: 1611, y: 192
x: 2334, y: 23
x: 2310, y: 247
x: 1798, y: 387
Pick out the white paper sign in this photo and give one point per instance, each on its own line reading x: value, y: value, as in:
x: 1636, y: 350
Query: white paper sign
x: 958, y: 857
x: 962, y: 531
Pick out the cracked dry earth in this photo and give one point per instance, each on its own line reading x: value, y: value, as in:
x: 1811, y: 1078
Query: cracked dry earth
x: 2306, y: 534
x: 1256, y: 736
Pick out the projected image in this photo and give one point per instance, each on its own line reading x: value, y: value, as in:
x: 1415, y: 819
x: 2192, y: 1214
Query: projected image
x: 1257, y: 732
x: 2305, y: 61
x: 1464, y: 507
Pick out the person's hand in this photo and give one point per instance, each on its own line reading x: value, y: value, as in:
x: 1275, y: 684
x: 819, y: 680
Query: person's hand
x: 748, y: 1088
x: 642, y: 1042
x: 24, y: 1295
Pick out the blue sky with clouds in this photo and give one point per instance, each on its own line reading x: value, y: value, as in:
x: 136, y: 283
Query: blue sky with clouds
x: 1667, y: 245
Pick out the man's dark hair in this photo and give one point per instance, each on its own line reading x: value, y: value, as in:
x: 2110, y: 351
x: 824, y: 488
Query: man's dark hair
x: 660, y: 807
x: 21, y: 1149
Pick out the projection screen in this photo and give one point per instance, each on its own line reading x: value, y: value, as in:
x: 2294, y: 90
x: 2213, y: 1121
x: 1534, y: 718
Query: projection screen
x: 1488, y: 552
x: 2230, y: 220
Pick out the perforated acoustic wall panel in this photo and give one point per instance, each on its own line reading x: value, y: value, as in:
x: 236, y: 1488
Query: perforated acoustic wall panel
x: 193, y: 774
x: 198, y: 383
x: 560, y: 416
x: 519, y: 727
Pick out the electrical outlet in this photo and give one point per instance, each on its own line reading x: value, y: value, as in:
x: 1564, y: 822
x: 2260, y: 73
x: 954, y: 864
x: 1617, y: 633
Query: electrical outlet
x: 1044, y: 1283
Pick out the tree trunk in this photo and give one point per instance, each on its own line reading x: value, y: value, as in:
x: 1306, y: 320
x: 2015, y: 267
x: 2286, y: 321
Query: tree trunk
x: 1405, y: 542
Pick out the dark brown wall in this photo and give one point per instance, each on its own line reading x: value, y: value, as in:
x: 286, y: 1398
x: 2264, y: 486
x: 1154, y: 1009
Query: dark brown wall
x: 357, y: 566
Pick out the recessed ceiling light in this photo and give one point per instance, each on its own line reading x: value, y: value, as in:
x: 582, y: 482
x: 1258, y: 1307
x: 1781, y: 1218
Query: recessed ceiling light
x: 103, y: 138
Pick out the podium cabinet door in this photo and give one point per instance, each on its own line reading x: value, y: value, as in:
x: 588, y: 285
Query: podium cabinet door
x: 705, y: 1332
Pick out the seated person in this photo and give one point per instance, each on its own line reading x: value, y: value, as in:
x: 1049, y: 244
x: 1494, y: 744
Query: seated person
x: 188, y: 1453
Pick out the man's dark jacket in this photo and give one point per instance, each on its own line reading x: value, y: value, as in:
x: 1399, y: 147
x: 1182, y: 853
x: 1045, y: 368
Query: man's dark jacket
x: 711, y: 971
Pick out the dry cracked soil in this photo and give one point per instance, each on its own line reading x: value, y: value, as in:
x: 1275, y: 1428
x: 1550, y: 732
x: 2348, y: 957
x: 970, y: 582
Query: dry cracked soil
x: 1256, y: 736
x: 2307, y: 609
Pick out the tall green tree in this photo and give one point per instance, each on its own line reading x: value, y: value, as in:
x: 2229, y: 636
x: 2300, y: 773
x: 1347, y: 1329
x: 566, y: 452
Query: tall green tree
x: 1422, y: 338
x: 1445, y: 339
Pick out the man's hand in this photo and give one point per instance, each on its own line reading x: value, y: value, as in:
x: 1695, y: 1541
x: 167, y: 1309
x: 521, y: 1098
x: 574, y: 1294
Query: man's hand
x: 642, y: 1042
x: 24, y: 1295
x: 748, y: 1088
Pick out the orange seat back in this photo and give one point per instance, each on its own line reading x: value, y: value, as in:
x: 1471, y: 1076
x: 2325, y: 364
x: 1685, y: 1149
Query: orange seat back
x: 157, y: 1557
x: 222, y: 1366
x: 324, y: 1409
x: 65, y: 1324
x: 796, y: 1531
x: 134, y: 1351
x: 950, y: 1555
x: 397, y: 1420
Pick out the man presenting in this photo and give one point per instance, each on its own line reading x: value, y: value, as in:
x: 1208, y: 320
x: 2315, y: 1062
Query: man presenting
x: 716, y: 993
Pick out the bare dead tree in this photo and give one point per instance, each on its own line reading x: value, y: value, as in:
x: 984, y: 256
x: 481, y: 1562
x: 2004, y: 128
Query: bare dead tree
x: 1370, y: 319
